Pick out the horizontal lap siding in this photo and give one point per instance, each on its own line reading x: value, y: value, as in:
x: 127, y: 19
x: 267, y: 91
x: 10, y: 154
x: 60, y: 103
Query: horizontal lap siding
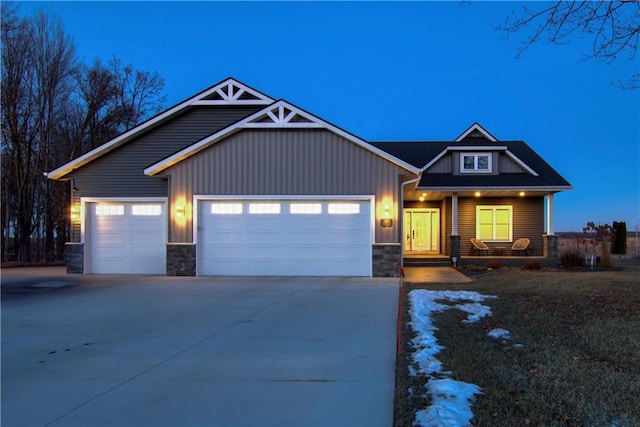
x: 528, y: 220
x: 120, y: 173
x: 285, y: 162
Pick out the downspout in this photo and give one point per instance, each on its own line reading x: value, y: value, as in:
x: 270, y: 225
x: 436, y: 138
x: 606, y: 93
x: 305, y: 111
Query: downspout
x: 411, y: 181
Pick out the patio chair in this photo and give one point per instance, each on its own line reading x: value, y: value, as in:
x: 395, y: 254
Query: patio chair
x: 521, y: 245
x: 478, y: 247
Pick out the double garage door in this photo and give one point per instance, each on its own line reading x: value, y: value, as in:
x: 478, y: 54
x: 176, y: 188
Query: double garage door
x: 126, y: 238
x: 284, y: 237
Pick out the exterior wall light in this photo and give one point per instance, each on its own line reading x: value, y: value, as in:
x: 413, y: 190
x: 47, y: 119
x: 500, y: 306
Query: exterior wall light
x: 386, y: 220
x: 75, y: 213
x: 180, y: 211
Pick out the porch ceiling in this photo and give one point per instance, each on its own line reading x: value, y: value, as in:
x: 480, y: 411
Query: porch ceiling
x: 437, y: 195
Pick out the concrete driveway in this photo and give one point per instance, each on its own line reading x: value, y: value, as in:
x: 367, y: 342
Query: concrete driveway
x: 162, y: 351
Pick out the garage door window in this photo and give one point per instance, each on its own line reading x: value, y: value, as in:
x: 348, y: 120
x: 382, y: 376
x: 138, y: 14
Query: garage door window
x: 109, y: 210
x: 344, y: 208
x: 146, y: 210
x: 264, y: 208
x: 226, y: 208
x: 305, y: 208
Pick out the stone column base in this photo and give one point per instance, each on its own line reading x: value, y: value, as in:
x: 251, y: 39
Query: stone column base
x: 181, y: 259
x: 386, y: 260
x: 74, y: 257
x: 455, y: 247
x: 550, y: 246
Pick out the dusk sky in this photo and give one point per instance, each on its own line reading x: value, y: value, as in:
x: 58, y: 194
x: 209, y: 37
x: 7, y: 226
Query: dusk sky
x: 396, y: 71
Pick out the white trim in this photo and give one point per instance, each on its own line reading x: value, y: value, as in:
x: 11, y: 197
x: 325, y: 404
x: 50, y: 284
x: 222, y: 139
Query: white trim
x: 494, y: 208
x: 85, y: 200
x: 476, y: 159
x: 278, y: 121
x: 482, y: 148
x: 550, y: 214
x: 126, y: 136
x: 476, y: 127
x: 496, y: 188
x: 197, y: 198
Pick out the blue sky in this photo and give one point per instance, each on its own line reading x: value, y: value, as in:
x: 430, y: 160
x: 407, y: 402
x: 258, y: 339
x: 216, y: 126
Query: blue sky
x: 395, y: 71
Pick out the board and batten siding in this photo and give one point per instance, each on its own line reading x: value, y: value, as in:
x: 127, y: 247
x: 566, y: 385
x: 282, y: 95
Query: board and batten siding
x: 528, y: 221
x: 120, y: 173
x: 285, y: 162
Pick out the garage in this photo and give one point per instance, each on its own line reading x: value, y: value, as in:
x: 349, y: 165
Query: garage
x: 284, y: 237
x: 126, y: 238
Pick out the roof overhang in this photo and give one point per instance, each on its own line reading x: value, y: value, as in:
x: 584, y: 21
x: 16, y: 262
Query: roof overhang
x: 227, y: 92
x: 481, y: 148
x: 279, y: 115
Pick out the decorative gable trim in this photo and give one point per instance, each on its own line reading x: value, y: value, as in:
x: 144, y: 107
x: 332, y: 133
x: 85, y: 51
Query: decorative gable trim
x: 227, y: 92
x: 502, y: 148
x: 279, y: 115
x: 477, y: 128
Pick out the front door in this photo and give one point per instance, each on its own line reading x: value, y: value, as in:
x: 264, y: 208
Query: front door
x: 421, y: 230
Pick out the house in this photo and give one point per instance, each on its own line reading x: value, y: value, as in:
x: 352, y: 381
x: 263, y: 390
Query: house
x: 234, y: 182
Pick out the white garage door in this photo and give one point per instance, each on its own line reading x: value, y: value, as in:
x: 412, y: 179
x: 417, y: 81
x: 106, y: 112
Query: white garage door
x: 126, y: 238
x: 285, y: 238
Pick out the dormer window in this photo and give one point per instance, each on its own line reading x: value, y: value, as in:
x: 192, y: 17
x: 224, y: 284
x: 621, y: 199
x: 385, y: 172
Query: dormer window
x: 475, y: 162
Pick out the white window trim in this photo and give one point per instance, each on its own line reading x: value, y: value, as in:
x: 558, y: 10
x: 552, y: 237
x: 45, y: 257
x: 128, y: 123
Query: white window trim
x: 475, y: 162
x: 494, y: 208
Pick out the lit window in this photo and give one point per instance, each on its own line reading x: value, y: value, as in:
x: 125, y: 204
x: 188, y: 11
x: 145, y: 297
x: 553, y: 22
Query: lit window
x: 146, y: 210
x: 475, y: 162
x: 264, y: 208
x: 109, y: 210
x: 494, y: 223
x: 226, y: 208
x: 344, y: 208
x: 305, y: 208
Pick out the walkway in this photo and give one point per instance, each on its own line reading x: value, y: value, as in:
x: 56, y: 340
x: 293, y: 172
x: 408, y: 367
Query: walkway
x: 434, y: 275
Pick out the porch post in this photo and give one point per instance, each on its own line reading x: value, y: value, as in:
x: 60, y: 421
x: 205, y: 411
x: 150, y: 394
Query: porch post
x: 454, y: 238
x: 454, y: 214
x: 550, y: 214
x: 550, y: 240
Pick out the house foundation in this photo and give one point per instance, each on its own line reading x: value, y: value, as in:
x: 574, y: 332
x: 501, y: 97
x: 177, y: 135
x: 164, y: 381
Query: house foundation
x: 181, y: 259
x: 74, y: 257
x: 550, y: 246
x: 386, y: 260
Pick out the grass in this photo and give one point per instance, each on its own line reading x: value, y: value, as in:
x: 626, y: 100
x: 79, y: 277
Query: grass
x: 580, y: 364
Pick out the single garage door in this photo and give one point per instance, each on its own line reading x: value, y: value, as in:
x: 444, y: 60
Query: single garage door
x: 285, y: 237
x: 126, y: 238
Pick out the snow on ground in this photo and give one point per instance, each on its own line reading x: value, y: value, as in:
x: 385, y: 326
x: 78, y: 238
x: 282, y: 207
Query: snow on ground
x: 451, y: 400
x: 499, y: 334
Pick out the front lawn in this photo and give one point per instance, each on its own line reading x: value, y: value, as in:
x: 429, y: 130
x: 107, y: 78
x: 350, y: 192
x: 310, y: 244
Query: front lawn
x: 572, y: 357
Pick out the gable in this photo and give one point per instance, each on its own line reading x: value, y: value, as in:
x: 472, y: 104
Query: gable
x: 227, y: 93
x: 280, y: 115
x: 284, y: 161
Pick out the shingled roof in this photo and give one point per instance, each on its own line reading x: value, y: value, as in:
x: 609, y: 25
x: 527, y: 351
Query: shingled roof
x: 421, y: 153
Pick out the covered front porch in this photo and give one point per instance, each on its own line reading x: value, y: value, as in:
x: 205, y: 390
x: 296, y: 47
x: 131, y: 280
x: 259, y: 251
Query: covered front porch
x: 437, y: 226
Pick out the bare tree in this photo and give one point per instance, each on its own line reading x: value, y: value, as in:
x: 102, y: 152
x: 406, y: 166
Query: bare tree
x: 612, y: 26
x: 54, y: 109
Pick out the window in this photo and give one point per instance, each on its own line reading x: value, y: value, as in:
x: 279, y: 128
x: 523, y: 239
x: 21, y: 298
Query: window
x: 494, y: 223
x: 146, y: 210
x: 226, y: 208
x: 344, y: 208
x: 264, y: 208
x: 109, y: 210
x: 475, y: 162
x: 305, y: 208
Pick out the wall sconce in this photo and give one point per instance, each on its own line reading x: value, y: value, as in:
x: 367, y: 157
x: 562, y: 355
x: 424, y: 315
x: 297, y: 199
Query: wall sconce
x: 180, y: 211
x: 386, y: 220
x: 75, y: 213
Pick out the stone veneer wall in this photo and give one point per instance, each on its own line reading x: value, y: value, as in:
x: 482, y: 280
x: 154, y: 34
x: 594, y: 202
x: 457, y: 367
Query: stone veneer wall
x: 181, y: 259
x: 74, y: 257
x: 386, y: 260
x: 550, y: 246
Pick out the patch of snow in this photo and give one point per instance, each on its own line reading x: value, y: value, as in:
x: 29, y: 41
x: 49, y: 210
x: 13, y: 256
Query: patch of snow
x: 499, y: 333
x: 451, y: 399
x: 518, y: 346
x: 451, y: 403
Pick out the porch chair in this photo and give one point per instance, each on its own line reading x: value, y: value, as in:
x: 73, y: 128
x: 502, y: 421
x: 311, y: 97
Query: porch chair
x: 478, y: 247
x: 521, y: 245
